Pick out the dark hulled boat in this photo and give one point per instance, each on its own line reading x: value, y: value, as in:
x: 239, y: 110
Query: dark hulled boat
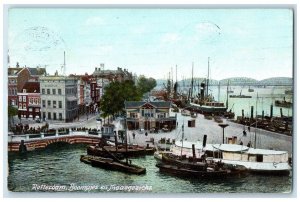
x: 193, y: 167
x: 283, y: 103
x: 112, y: 164
x: 187, y: 172
x: 120, y: 151
x: 240, y: 96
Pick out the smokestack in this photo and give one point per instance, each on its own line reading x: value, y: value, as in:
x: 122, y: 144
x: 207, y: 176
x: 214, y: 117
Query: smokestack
x: 242, y: 113
x: 252, y: 112
x: 281, y: 114
x: 194, y: 152
x: 202, y: 91
x: 204, y: 140
x: 271, y: 111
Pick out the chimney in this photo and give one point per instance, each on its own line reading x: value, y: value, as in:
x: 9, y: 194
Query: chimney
x: 204, y: 140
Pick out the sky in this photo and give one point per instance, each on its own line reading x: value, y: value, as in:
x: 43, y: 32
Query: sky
x: 255, y: 43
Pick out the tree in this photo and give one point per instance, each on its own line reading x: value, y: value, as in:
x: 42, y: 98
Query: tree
x: 116, y: 93
x: 145, y: 85
x: 12, y: 111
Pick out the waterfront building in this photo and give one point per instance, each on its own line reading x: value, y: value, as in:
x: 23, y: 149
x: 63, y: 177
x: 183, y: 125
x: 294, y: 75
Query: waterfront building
x: 84, y: 93
x: 29, y: 101
x: 17, y: 77
x: 113, y: 75
x: 59, y: 98
x: 149, y: 115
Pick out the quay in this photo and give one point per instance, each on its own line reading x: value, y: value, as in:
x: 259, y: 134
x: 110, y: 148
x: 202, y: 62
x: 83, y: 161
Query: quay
x: 264, y: 139
x: 40, y: 141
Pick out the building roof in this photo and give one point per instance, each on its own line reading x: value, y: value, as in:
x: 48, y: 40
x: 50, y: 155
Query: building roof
x: 32, y: 87
x: 11, y: 71
x: 37, y: 71
x: 138, y: 104
x: 33, y: 71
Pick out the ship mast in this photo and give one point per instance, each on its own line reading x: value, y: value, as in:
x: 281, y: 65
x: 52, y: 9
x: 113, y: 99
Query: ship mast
x: 255, y: 122
x: 207, y: 77
x: 182, y: 139
x: 192, y: 89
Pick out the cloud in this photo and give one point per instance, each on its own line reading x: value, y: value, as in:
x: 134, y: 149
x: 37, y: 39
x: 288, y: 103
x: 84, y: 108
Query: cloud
x: 170, y: 38
x: 95, y: 21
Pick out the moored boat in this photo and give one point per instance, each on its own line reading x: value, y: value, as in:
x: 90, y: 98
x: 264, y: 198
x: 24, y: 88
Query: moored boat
x: 240, y: 96
x: 283, y: 103
x: 112, y: 164
x: 120, y: 151
x: 192, y: 173
x: 254, y: 160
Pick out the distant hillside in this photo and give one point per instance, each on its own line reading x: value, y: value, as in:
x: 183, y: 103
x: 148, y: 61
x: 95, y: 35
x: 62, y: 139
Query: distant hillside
x: 238, y: 81
x: 278, y: 80
x: 234, y: 81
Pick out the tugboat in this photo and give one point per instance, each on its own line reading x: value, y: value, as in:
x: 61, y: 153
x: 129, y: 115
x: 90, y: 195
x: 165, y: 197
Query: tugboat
x: 283, y: 103
x: 240, y: 96
x: 179, y: 165
x: 113, y: 163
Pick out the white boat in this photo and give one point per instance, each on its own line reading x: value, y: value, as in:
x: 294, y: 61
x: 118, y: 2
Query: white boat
x: 255, y: 160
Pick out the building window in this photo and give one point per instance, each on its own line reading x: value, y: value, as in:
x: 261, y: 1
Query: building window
x: 20, y: 105
x: 24, y: 90
x: 13, y: 102
x: 20, y: 98
x: 43, y: 91
x: 44, y: 103
x: 59, y: 91
x: 49, y: 115
x: 24, y: 106
x: 36, y: 101
x: 53, y: 91
x: 24, y: 98
x: 54, y: 116
x: 31, y: 101
x: 30, y: 109
x: 48, y: 91
x: 44, y: 115
x: 59, y: 104
x: 49, y: 103
x: 37, y: 110
x: 60, y: 116
x: 54, y: 104
x: 133, y: 115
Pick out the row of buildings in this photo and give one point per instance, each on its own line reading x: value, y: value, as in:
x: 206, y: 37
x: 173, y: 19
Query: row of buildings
x: 38, y: 95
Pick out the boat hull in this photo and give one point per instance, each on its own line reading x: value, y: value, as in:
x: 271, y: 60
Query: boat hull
x: 120, y: 153
x: 110, y: 164
x: 261, y: 168
x: 183, y: 172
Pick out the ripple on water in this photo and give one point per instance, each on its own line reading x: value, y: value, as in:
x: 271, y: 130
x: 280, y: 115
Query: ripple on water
x: 64, y: 167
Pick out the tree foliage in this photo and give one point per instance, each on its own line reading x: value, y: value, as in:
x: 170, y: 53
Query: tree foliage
x: 12, y: 111
x: 145, y: 85
x: 116, y: 93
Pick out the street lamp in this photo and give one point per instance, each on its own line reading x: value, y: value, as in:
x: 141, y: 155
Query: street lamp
x: 223, y: 125
x: 87, y: 112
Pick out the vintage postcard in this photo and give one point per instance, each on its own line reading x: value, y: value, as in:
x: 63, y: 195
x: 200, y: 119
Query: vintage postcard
x: 152, y: 100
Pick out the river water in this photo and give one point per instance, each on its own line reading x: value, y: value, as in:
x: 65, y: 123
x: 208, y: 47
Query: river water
x: 60, y: 165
